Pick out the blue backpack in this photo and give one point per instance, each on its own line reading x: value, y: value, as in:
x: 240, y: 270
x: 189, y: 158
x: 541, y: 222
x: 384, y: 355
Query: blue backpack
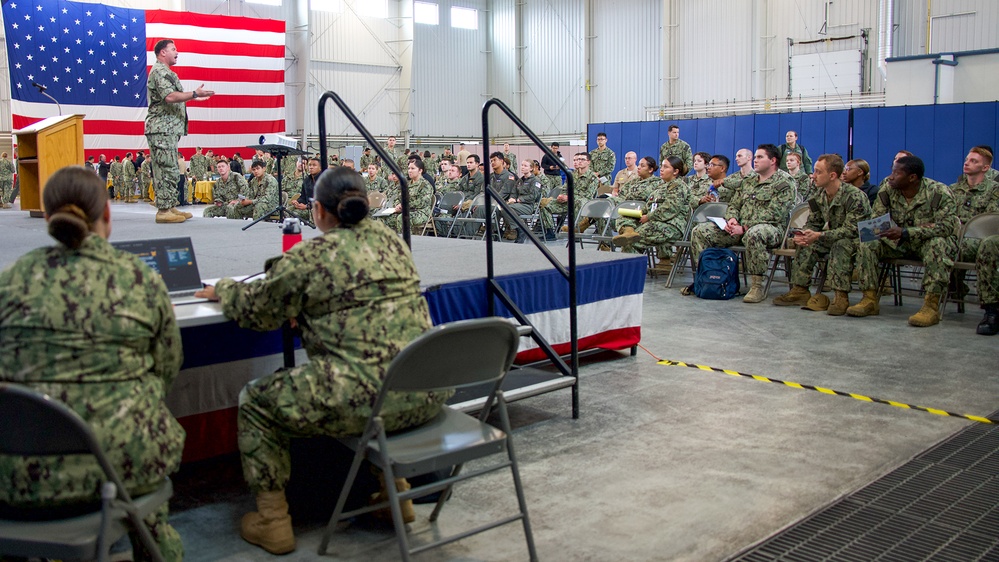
x: 717, y: 275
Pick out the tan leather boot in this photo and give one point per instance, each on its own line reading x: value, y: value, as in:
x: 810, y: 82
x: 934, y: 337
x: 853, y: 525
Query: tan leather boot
x: 166, y: 216
x: 584, y: 223
x: 868, y: 305
x: 385, y: 515
x: 839, y: 304
x: 929, y: 314
x: 270, y: 526
x: 627, y: 237
x: 756, y: 292
x: 797, y: 296
x: 177, y: 211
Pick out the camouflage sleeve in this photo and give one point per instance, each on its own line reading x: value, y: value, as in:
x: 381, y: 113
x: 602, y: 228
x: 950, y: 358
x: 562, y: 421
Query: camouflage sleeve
x: 421, y: 196
x: 857, y: 209
x: 734, y: 205
x: 688, y: 157
x: 586, y: 187
x: 672, y: 202
x: 265, y: 304
x: 944, y: 222
x: 269, y: 198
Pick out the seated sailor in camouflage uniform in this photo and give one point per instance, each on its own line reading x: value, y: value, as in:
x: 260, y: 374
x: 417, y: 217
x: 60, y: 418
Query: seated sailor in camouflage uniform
x: 584, y: 188
x: 926, y: 219
x: 421, y: 199
x: 228, y: 187
x: 757, y: 216
x: 260, y: 198
x: 830, y: 233
x: 355, y: 294
x: 299, y: 206
x: 664, y: 215
x: 636, y: 190
x: 91, y: 326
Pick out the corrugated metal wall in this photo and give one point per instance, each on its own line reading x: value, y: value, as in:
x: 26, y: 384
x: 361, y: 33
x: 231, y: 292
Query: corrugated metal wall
x: 957, y: 25
x: 627, y: 55
x: 449, y: 75
x: 554, y: 67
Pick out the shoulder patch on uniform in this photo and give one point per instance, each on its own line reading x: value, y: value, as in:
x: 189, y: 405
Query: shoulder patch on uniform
x: 814, y: 206
x: 884, y: 197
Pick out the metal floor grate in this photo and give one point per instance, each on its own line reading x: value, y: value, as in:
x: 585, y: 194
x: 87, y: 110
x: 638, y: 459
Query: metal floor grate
x: 941, y: 505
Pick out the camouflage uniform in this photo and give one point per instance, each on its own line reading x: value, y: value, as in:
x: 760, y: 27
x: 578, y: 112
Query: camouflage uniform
x: 512, y: 158
x: 585, y: 188
x: 6, y: 181
x: 802, y: 186
x: 680, y: 149
x: 731, y: 184
x: 366, y: 160
x: 262, y: 192
x: 376, y: 184
x: 356, y: 295
x: 421, y: 205
x: 698, y: 187
x: 762, y: 208
x: 837, y: 221
x: 165, y: 124
x: 602, y: 163
x: 117, y: 184
x: 931, y: 220
x: 784, y: 150
x: 145, y: 177
x: 638, y: 190
x: 93, y: 328
x: 668, y: 210
x: 291, y: 185
x: 502, y: 182
x: 970, y: 201
x: 987, y: 266
x: 128, y: 179
x: 226, y: 190
x: 199, y: 167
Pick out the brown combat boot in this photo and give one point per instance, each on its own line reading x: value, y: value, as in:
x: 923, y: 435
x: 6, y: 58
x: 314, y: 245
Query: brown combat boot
x: 406, y: 507
x: 929, y: 314
x: 797, y: 296
x: 839, y: 304
x: 545, y: 201
x: 627, y: 237
x: 165, y: 216
x: 869, y: 305
x: 184, y: 214
x: 756, y: 291
x: 584, y: 223
x: 270, y: 526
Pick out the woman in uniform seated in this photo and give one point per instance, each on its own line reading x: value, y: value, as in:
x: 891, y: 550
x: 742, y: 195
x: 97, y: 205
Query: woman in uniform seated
x: 355, y: 294
x: 93, y: 327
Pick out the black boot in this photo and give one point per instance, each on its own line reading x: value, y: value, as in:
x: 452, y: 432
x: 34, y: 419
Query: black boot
x: 990, y: 324
x: 550, y: 235
x: 521, y: 236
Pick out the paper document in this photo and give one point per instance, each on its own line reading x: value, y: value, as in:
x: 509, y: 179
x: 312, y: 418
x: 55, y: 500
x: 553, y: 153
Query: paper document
x: 385, y: 212
x: 870, y: 229
x: 722, y: 223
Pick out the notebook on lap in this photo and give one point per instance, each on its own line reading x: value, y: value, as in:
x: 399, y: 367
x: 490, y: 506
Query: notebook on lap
x: 173, y: 259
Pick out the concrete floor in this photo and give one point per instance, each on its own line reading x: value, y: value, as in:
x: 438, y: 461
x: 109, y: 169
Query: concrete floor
x: 665, y: 462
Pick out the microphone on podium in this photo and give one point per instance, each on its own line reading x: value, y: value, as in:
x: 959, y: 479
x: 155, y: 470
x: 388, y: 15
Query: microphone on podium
x: 41, y: 88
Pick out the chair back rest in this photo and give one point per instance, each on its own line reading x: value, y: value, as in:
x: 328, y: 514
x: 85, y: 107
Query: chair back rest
x: 799, y: 216
x: 597, y: 209
x: 376, y: 199
x: 631, y: 205
x: 555, y: 191
x: 981, y: 226
x: 38, y: 425
x: 452, y: 199
x: 455, y: 355
x: 705, y: 210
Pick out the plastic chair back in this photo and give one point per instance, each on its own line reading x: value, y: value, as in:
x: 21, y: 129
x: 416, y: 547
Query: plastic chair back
x: 597, y: 209
x: 451, y: 199
x: 376, y: 199
x: 981, y: 226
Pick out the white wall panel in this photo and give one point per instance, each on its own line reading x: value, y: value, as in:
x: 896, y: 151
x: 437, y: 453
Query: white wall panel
x: 627, y: 52
x: 554, y: 67
x: 957, y: 25
x: 715, y: 39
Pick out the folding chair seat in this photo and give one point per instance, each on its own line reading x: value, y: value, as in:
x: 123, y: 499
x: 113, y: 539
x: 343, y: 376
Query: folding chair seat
x: 447, y: 203
x: 683, y: 248
x: 469, y: 218
x: 455, y: 355
x: 595, y: 210
x: 37, y: 425
x: 798, y: 219
x: 978, y: 227
x: 430, y: 222
x: 608, y: 238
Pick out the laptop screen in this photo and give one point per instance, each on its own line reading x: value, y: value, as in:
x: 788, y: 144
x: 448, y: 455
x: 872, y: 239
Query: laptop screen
x: 172, y: 258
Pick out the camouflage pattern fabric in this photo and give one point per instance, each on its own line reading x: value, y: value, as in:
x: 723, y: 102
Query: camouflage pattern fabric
x: 376, y: 184
x: 987, y: 264
x: 262, y: 193
x: 6, y: 180
x: 93, y: 328
x: 421, y: 204
x: 731, y: 184
x: 802, y: 186
x: 638, y: 190
x: 837, y: 221
x: 668, y: 210
x: 226, y: 190
x: 602, y: 164
x: 931, y: 220
x: 166, y: 172
x: 165, y: 124
x: 584, y: 189
x: 199, y: 167
x: 356, y: 295
x: 145, y: 176
x: 128, y: 178
x: 680, y: 149
x: 117, y: 183
x: 366, y: 160
x: 698, y: 187
x: 971, y: 201
x: 291, y: 185
x: 511, y: 157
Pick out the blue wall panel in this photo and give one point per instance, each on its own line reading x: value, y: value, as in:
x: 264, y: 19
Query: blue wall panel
x: 793, y: 122
x: 615, y: 142
x: 920, y: 134
x: 689, y: 130
x: 766, y: 129
x: 837, y: 140
x: 591, y: 134
x: 980, y: 120
x: 946, y: 160
x: 706, y: 129
x: 649, y: 142
x: 890, y: 139
x: 724, y: 137
x: 745, y: 130
x: 865, y: 138
x: 813, y: 134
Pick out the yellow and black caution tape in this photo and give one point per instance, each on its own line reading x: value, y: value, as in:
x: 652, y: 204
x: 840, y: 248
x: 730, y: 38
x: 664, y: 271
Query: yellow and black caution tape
x: 861, y: 397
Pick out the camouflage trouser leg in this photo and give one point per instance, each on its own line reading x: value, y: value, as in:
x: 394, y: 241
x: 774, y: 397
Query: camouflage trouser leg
x: 623, y: 222
x: 167, y: 538
x: 553, y: 208
x: 304, y: 215
x: 236, y: 211
x: 987, y: 265
x: 758, y: 241
x: 659, y: 235
x: 166, y: 172
x: 6, y: 189
x: 212, y: 211
x: 839, y: 268
x: 260, y: 210
x: 119, y: 189
x: 936, y: 253
x: 708, y: 235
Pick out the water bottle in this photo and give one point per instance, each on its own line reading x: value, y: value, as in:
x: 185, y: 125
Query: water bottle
x: 292, y: 233
x: 713, y: 191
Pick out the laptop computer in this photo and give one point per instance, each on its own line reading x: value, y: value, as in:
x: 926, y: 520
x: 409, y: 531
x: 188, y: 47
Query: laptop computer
x: 173, y: 259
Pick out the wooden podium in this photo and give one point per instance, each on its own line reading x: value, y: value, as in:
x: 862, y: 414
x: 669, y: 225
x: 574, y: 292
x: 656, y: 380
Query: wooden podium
x: 43, y: 148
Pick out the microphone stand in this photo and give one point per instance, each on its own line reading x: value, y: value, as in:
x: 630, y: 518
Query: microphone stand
x: 279, y: 151
x: 41, y: 90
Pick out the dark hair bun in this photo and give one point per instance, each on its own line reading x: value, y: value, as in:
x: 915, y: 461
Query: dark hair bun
x: 352, y: 209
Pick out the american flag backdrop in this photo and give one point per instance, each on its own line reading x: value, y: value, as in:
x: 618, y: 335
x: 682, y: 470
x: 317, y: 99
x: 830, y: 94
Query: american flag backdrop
x: 95, y: 60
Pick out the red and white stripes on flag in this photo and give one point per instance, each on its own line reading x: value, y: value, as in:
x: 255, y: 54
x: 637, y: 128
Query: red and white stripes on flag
x: 241, y: 59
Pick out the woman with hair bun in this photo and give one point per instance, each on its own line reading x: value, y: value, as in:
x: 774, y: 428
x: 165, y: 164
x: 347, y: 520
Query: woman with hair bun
x: 93, y: 327
x: 355, y: 294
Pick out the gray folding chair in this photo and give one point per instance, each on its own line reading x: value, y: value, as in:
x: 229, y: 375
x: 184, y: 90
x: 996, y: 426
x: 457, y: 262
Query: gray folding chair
x: 36, y: 425
x: 454, y: 355
x: 599, y: 211
x: 448, y: 202
x: 798, y: 219
x: 683, y: 247
x: 981, y: 227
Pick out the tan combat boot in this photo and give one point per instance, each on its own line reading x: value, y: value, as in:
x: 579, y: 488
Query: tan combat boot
x: 406, y: 507
x: 584, y: 223
x: 270, y: 526
x: 797, y: 296
x: 756, y: 292
x: 545, y: 201
x: 184, y: 214
x: 929, y: 314
x: 868, y: 305
x: 627, y: 237
x: 165, y: 216
x: 839, y: 304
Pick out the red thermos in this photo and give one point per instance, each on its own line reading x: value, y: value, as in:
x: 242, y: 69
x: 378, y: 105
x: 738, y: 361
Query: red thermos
x: 292, y: 233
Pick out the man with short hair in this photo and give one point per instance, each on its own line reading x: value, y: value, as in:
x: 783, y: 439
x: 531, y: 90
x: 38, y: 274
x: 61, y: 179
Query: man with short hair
x: 349, y: 164
x: 553, y: 174
x: 260, y: 198
x: 166, y: 122
x: 301, y: 207
x: 228, y: 187
x: 714, y: 189
x: 925, y: 219
x: 200, y: 165
x: 830, y: 233
x: 791, y: 146
x: 676, y: 147
x: 367, y: 158
x: 501, y: 180
x: 128, y: 179
x: 627, y: 174
x: 744, y: 161
x: 584, y: 188
x: 463, y: 159
x: 755, y: 217
x: 510, y: 156
x: 472, y: 182
x: 603, y: 160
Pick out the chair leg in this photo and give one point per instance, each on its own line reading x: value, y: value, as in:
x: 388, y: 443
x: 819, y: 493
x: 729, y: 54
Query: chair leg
x: 515, y: 471
x: 393, y: 495
x: 773, y: 271
x: 341, y: 501
x: 445, y: 494
x: 681, y: 255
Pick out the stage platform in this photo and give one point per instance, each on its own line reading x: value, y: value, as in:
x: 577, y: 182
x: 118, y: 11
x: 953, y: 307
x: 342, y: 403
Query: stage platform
x: 220, y: 357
